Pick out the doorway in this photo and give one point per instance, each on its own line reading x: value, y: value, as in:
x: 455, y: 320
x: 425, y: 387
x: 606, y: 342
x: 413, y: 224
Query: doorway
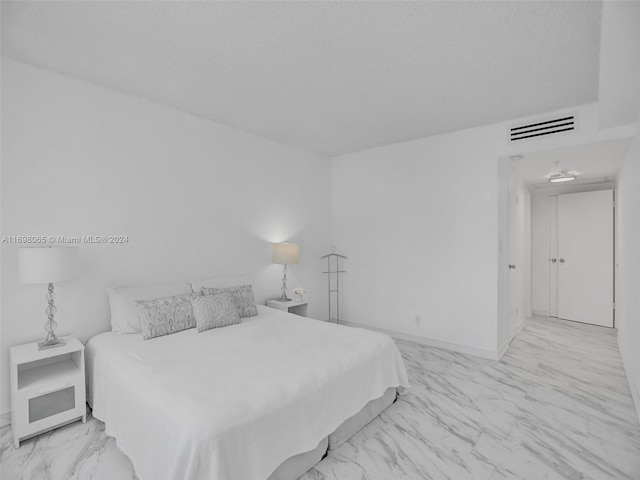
x: 533, y: 290
x: 580, y: 262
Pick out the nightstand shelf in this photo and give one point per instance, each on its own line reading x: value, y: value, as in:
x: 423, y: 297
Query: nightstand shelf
x: 298, y: 308
x: 55, y: 372
x: 47, y: 388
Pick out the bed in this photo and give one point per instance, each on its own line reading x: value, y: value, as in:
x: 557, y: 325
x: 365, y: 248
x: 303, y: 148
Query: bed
x: 261, y: 399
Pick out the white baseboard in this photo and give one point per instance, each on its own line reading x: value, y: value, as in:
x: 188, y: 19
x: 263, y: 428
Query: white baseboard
x: 503, y: 350
x: 631, y: 377
x: 541, y: 313
x: 505, y: 347
x: 5, y: 419
x: 477, y: 352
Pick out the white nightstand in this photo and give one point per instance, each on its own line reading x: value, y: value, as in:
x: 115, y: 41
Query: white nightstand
x: 299, y: 308
x: 47, y: 388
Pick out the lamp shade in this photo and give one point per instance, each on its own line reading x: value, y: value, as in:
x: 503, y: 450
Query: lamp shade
x: 286, y: 253
x: 47, y: 264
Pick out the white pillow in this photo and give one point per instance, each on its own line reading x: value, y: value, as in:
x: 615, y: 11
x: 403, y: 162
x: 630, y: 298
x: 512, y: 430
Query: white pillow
x: 221, y: 282
x: 122, y: 301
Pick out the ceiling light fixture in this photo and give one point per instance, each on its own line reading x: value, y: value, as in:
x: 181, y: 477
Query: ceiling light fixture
x: 563, y: 176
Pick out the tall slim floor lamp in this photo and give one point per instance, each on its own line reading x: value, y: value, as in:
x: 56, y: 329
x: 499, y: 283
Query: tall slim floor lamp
x: 48, y: 265
x: 285, y: 254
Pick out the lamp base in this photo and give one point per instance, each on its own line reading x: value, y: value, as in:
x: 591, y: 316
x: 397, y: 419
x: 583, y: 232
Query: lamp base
x: 283, y: 297
x: 51, y: 343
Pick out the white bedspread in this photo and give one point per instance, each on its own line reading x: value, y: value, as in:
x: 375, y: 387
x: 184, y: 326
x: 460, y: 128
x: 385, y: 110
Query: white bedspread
x: 233, y: 403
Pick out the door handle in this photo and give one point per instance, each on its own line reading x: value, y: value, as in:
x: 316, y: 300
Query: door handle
x: 512, y: 266
x: 561, y: 260
x: 554, y: 260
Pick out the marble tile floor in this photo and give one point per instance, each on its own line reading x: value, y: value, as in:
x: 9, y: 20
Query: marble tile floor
x: 557, y: 406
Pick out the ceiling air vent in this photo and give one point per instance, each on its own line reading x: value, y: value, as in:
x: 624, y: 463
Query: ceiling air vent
x: 564, y: 124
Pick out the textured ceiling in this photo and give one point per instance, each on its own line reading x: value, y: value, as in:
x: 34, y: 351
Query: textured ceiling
x: 332, y: 77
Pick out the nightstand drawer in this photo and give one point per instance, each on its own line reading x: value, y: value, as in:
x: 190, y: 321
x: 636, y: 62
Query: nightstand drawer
x: 56, y: 401
x: 44, y: 412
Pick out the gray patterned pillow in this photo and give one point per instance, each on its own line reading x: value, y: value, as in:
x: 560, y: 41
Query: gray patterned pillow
x: 242, y: 294
x: 166, y: 315
x: 215, y: 311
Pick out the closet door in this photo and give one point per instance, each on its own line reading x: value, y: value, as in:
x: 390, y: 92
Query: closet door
x: 585, y: 257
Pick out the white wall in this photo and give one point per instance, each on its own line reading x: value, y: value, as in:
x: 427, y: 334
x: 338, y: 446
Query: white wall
x: 619, y: 85
x: 195, y: 198
x: 419, y: 222
x: 619, y: 93
x: 527, y: 309
x: 504, y: 254
x: 628, y: 267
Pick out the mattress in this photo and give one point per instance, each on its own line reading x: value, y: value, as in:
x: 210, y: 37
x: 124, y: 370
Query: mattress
x: 198, y: 405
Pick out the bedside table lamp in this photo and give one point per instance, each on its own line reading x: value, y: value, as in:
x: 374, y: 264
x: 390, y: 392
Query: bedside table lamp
x: 48, y: 265
x: 285, y: 254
